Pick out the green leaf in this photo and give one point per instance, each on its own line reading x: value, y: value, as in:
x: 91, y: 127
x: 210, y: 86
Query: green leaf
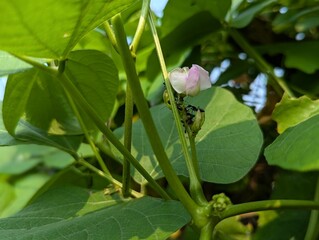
x: 10, y: 64
x: 96, y: 76
x: 228, y: 144
x: 40, y: 100
x: 290, y: 111
x: 290, y: 223
x: 297, y: 147
x: 243, y: 18
x: 23, y: 189
x: 19, y: 159
x: 50, y: 29
x: 63, y: 213
x: 216, y: 7
x: 300, y: 55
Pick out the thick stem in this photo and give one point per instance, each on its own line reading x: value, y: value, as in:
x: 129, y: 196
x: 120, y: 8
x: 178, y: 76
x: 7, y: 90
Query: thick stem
x: 237, y: 209
x: 127, y: 140
x: 195, y: 186
x: 277, y: 82
x: 141, y: 104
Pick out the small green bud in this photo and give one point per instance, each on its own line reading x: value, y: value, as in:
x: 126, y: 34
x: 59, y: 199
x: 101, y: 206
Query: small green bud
x: 199, y: 120
x: 166, y: 99
x: 219, y: 203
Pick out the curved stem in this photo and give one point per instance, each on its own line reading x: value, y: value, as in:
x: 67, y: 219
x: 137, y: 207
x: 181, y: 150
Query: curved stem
x: 109, y: 32
x: 195, y: 186
x: 126, y: 176
x: 140, y: 27
x: 277, y: 82
x: 312, y: 230
x: 155, y: 141
x: 237, y: 209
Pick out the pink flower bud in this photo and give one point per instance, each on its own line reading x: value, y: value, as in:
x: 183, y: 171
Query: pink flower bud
x: 189, y: 81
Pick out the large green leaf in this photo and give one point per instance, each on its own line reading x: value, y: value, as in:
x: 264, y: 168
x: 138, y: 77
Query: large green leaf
x: 228, y: 144
x: 290, y: 111
x: 39, y: 99
x: 9, y: 64
x: 297, y: 147
x: 216, y: 7
x: 63, y: 213
x: 50, y: 28
x: 96, y: 76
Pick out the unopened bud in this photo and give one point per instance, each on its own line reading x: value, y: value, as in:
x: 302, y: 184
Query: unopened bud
x: 166, y: 99
x: 198, y: 122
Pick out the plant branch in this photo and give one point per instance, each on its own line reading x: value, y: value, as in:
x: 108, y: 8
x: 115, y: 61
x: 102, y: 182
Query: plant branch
x: 157, y: 146
x: 277, y: 83
x: 68, y: 85
x: 127, y: 140
x: 195, y: 186
x: 140, y: 27
x: 237, y: 209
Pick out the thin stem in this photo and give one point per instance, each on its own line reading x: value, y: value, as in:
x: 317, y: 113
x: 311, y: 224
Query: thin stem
x: 195, y: 185
x: 237, y: 209
x: 87, y: 136
x: 312, y: 232
x: 140, y: 27
x: 127, y: 140
x: 147, y: 120
x: 277, y: 82
x: 68, y: 85
x: 109, y: 32
x: 102, y: 174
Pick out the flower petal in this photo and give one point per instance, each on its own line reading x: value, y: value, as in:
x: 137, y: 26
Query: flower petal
x: 204, y: 79
x: 192, y: 83
x: 178, y: 78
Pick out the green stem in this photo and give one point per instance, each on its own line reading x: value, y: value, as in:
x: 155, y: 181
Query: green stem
x: 109, y: 32
x: 127, y: 140
x: 140, y: 27
x: 312, y: 230
x: 147, y: 120
x: 195, y: 186
x: 102, y: 174
x: 277, y: 82
x: 68, y: 85
x: 237, y: 209
x: 92, y: 145
x: 206, y: 233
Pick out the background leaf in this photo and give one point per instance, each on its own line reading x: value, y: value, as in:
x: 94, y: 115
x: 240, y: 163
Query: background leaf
x: 228, y: 144
x: 50, y: 28
x: 290, y: 111
x: 56, y: 214
x: 297, y: 147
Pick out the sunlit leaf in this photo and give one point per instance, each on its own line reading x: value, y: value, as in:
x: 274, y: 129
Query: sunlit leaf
x: 297, y: 147
x: 75, y: 213
x: 50, y: 28
x: 290, y: 111
x: 227, y: 146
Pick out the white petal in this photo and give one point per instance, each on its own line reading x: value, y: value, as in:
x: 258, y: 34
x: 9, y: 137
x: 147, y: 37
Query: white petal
x: 178, y: 78
x: 204, y: 79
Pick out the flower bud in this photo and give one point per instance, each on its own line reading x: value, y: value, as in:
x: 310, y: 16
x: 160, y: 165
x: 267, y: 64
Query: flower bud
x: 199, y: 120
x: 189, y: 81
